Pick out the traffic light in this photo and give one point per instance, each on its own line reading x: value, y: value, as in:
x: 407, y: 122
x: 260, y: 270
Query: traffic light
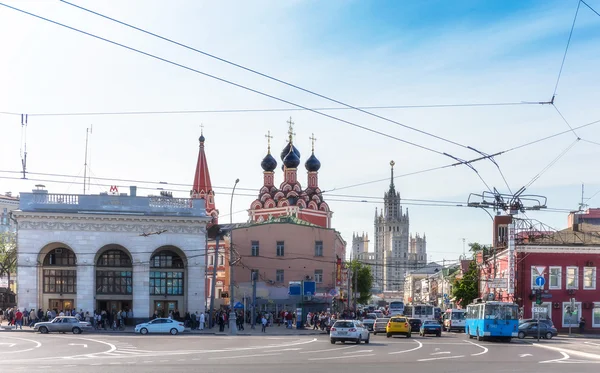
x: 538, y: 297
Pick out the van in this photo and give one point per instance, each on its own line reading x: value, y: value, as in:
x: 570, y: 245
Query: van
x: 454, y: 319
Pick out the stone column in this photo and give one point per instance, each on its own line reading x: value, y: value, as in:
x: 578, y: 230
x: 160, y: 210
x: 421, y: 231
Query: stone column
x: 141, y: 291
x: 86, y: 288
x: 195, y: 286
x: 27, y: 282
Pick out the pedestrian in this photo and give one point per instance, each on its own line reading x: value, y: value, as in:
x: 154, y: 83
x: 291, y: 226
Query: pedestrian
x: 581, y: 325
x: 202, y: 321
x: 264, y: 324
x: 19, y: 320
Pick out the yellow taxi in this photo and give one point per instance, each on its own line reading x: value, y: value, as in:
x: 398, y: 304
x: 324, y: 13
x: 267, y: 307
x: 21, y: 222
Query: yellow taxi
x: 398, y: 325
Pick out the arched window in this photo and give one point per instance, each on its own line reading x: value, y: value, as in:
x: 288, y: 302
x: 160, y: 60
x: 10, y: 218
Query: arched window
x: 116, y: 276
x: 60, y: 280
x: 166, y: 259
x: 61, y: 257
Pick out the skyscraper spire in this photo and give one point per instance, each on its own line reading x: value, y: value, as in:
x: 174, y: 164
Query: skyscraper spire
x: 202, y: 187
x: 392, y: 187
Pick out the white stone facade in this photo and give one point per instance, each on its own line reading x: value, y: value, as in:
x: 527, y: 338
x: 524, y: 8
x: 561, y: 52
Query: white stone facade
x: 87, y: 234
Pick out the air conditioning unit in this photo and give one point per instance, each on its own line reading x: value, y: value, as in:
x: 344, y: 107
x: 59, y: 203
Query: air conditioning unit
x: 306, y: 298
x: 589, y: 264
x: 571, y: 291
x: 307, y: 277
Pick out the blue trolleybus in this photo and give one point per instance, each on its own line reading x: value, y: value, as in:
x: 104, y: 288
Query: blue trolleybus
x: 497, y: 320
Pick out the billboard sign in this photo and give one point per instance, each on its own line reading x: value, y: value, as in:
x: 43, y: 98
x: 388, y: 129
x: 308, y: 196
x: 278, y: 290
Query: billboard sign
x: 511, y: 258
x: 338, y: 272
x: 310, y: 288
x: 295, y: 288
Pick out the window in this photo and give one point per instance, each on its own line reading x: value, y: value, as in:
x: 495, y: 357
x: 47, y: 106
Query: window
x: 166, y: 283
x: 114, y: 282
x: 255, y: 248
x: 596, y: 315
x: 555, y: 278
x: 166, y: 259
x: 280, y: 248
x: 211, y: 259
x: 60, y: 257
x: 114, y: 258
x: 589, y: 278
x: 318, y: 276
x: 571, y: 318
x: 319, y: 248
x: 60, y: 281
x: 279, y: 275
x: 572, y: 278
x: 221, y: 260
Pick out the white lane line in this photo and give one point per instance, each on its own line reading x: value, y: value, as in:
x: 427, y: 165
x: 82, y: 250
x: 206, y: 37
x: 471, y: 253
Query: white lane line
x: 440, y: 353
x: 289, y: 349
x: 565, y: 357
x: 485, y: 349
x: 412, y: 349
x: 358, y: 352
x: 37, y: 345
x: 331, y: 349
x: 242, y: 356
x: 593, y: 344
x: 442, y: 358
x: 586, y: 355
x: 525, y: 355
x: 339, y: 357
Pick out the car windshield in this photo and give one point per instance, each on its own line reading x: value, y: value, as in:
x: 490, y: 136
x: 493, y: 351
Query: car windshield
x: 344, y: 324
x: 501, y: 312
x: 458, y: 315
x: 56, y: 319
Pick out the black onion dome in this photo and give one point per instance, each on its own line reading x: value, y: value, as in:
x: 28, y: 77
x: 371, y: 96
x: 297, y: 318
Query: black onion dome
x: 286, y: 150
x: 291, y: 160
x: 312, y: 164
x: 268, y: 163
x: 201, y: 138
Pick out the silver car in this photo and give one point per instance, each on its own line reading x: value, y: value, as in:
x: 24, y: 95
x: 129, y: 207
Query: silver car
x: 62, y: 324
x: 380, y: 325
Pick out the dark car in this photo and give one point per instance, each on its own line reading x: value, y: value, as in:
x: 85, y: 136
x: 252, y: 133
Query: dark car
x: 415, y: 324
x: 530, y: 329
x: 431, y: 327
x: 546, y: 322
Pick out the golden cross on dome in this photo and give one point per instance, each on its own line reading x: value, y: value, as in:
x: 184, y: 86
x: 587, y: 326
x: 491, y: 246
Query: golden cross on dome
x: 269, y: 137
x: 313, y: 139
x: 291, y: 129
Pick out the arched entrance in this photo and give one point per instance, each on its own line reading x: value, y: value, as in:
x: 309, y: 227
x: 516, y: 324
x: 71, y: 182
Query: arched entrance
x: 114, y: 280
x: 167, y: 282
x: 58, y: 279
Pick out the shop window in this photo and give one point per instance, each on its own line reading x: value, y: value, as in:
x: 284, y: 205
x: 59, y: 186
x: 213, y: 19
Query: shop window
x: 571, y: 317
x: 572, y: 280
x: 555, y: 278
x: 596, y: 315
x: 589, y: 278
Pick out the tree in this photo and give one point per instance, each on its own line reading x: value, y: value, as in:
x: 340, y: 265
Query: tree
x: 475, y: 247
x: 364, y: 281
x: 8, y: 254
x: 466, y: 289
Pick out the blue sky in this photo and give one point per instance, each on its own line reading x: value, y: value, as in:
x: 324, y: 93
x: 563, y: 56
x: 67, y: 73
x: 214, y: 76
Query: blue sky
x: 364, y: 53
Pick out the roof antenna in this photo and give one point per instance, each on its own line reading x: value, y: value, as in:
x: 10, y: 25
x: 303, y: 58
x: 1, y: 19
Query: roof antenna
x: 24, y: 144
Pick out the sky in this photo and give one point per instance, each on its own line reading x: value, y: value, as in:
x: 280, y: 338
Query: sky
x: 383, y: 53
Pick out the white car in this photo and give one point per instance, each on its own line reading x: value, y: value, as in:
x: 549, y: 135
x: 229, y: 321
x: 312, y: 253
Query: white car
x: 349, y: 330
x: 160, y: 325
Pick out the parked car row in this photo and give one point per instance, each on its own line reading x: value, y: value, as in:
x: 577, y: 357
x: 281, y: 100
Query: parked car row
x: 70, y: 324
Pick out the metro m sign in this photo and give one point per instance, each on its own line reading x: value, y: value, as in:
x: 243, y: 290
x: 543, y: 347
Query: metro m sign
x: 114, y: 189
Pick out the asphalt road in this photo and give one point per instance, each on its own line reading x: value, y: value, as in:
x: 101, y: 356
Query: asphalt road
x: 32, y: 352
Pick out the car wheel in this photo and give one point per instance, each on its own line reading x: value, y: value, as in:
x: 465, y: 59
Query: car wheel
x: 174, y: 331
x: 521, y: 335
x: 332, y: 341
x: 358, y: 340
x: 408, y: 335
x: 389, y: 335
x: 43, y: 330
x: 374, y: 333
x: 439, y: 334
x: 76, y: 331
x: 479, y: 337
x: 143, y: 331
x: 548, y: 335
x: 367, y: 341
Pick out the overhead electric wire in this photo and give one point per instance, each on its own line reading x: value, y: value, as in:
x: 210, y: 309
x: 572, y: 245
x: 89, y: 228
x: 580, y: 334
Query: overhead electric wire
x: 264, y: 75
x: 223, y: 80
x: 552, y: 163
x: 565, y: 120
x: 566, y: 51
x: 592, y: 9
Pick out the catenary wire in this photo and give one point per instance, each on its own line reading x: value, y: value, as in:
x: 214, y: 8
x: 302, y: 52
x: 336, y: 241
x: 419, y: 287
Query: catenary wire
x: 552, y: 163
x: 264, y: 75
x: 565, y: 120
x: 592, y: 9
x: 224, y: 80
x: 566, y: 50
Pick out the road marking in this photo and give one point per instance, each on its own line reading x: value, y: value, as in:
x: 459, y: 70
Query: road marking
x: 412, y: 349
x: 78, y: 344
x: 37, y: 345
x: 242, y: 356
x: 339, y: 357
x: 525, y: 355
x: 590, y: 343
x: 289, y: 349
x: 440, y: 353
x: 571, y: 352
x: 331, y: 349
x: 485, y: 349
x: 442, y: 358
x: 565, y: 357
x: 358, y: 352
x: 9, y: 344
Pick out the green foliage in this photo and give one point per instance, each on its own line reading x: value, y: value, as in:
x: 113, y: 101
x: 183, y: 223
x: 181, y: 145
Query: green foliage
x: 466, y: 288
x: 8, y: 253
x: 475, y: 247
x: 364, y: 282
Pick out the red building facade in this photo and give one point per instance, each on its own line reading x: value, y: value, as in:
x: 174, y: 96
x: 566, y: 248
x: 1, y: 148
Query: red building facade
x: 290, y: 199
x: 567, y: 261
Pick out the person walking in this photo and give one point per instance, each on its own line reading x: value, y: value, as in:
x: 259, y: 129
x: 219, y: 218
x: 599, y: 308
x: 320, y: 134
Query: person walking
x: 264, y: 324
x: 581, y: 325
x: 19, y: 320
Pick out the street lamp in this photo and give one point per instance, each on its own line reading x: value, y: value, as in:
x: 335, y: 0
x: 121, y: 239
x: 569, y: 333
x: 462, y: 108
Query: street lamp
x: 232, y: 315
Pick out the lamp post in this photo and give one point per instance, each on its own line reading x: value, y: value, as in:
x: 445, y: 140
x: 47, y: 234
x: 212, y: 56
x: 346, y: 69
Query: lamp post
x: 232, y: 315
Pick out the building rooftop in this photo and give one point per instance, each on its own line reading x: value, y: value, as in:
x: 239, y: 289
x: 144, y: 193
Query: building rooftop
x: 110, y: 204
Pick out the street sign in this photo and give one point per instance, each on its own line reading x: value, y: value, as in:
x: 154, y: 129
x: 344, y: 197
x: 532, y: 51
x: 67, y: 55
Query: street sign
x: 540, y: 281
x: 539, y: 309
x: 546, y: 296
x: 498, y: 283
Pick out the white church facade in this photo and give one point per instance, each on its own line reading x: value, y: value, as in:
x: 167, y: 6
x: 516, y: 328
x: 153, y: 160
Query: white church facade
x: 111, y: 252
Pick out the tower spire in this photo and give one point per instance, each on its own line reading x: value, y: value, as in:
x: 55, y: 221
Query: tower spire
x: 313, y: 139
x: 269, y: 137
x: 291, y: 130
x: 202, y: 186
x: 392, y: 187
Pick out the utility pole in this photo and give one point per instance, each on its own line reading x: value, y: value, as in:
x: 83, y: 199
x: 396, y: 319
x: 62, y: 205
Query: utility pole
x: 349, y: 271
x: 214, y: 283
x: 232, y: 315
x: 355, y: 287
x: 253, y: 315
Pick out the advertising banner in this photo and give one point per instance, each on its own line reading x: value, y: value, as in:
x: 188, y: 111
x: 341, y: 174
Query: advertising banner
x: 511, y: 259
